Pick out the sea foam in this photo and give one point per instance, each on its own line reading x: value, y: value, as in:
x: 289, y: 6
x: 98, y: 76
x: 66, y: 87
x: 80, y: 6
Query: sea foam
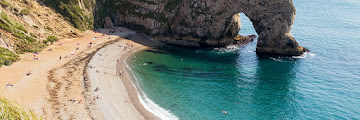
x: 149, y: 104
x: 227, y: 49
x: 305, y: 55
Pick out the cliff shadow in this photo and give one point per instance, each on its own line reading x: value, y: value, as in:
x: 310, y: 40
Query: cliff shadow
x: 129, y: 34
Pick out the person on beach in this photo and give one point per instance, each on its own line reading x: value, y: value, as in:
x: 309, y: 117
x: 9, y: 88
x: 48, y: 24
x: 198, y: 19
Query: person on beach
x: 60, y: 57
x: 9, y: 85
x: 97, y: 89
x: 77, y: 48
x: 28, y: 74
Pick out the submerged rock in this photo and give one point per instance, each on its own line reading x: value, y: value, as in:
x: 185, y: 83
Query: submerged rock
x: 207, y: 23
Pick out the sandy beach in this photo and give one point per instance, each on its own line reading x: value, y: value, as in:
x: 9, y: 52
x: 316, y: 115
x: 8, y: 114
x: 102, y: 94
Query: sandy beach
x: 115, y: 97
x: 64, y: 88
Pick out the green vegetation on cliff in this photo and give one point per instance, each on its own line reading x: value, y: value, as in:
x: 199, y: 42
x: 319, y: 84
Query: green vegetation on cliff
x: 11, y: 24
x: 25, y: 42
x: 4, y: 3
x: 13, y: 111
x: 7, y: 57
x: 24, y: 12
x: 71, y: 11
x: 52, y: 39
x: 22, y: 46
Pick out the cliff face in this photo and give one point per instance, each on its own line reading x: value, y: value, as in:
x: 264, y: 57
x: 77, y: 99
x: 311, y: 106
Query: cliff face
x: 195, y: 23
x: 78, y: 12
x: 206, y: 22
x: 25, y: 25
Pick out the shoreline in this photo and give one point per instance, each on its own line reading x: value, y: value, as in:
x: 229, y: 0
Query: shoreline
x: 146, y: 103
x: 116, y: 92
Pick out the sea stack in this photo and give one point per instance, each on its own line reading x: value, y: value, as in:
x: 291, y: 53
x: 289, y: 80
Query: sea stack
x: 207, y: 23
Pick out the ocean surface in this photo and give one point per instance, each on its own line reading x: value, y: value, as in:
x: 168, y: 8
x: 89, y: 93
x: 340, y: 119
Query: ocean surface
x: 198, y: 84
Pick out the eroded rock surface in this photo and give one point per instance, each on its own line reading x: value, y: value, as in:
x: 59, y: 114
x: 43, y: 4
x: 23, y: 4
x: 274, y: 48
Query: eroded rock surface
x: 202, y: 23
x: 108, y: 23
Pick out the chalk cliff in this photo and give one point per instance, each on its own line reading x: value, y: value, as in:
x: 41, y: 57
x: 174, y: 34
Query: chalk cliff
x: 203, y: 23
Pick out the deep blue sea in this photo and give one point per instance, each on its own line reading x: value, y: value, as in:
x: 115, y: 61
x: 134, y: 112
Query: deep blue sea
x: 198, y: 84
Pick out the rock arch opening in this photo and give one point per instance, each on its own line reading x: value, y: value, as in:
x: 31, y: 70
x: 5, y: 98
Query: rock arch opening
x: 247, y: 27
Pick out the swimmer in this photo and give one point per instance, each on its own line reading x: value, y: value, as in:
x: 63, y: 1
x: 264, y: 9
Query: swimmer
x: 224, y: 112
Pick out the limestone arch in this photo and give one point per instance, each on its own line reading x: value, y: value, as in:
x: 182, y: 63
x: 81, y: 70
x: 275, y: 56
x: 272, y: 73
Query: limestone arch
x: 273, y: 22
x: 209, y: 23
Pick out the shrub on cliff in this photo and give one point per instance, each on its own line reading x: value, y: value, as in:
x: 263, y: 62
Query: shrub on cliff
x: 24, y: 12
x: 4, y: 3
x: 23, y: 45
x: 52, y: 39
x: 7, y: 57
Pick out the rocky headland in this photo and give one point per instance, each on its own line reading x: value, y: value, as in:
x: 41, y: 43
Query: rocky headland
x: 205, y: 23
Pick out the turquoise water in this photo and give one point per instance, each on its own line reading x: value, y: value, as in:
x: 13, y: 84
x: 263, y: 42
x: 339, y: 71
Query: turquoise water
x: 323, y: 85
